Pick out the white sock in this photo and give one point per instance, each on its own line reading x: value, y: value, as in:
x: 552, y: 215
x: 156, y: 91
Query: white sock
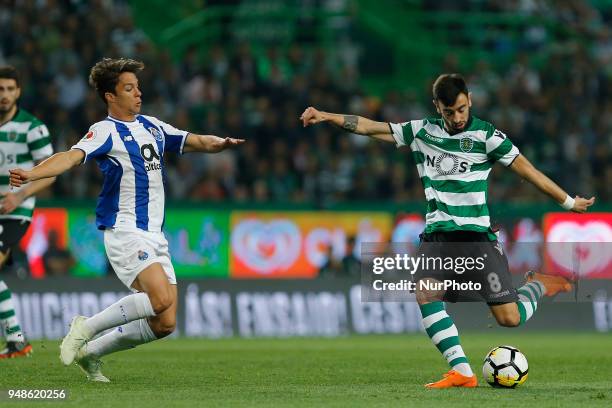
x: 464, y: 368
x: 131, y: 307
x: 121, y: 338
x: 9, y: 325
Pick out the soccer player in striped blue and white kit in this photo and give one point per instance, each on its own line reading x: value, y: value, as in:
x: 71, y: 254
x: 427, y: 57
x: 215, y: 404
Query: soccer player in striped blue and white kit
x: 454, y: 155
x: 128, y: 148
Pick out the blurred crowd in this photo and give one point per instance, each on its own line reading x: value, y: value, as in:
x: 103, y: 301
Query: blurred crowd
x: 558, y: 111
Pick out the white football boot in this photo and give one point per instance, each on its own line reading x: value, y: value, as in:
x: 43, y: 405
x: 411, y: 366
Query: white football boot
x: 90, y: 366
x: 74, y: 340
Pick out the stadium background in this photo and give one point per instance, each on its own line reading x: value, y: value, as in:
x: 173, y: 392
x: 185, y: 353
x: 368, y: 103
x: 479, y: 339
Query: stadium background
x: 286, y: 210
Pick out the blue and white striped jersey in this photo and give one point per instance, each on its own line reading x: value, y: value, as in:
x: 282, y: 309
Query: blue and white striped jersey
x: 130, y: 155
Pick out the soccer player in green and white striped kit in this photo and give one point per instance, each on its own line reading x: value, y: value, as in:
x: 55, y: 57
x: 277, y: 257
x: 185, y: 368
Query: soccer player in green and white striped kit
x: 454, y: 155
x: 24, y: 140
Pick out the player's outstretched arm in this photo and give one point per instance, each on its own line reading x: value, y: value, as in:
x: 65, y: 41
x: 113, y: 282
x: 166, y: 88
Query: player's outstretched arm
x: 351, y: 123
x: 51, y: 167
x: 209, y: 143
x: 526, y: 170
x: 10, y: 201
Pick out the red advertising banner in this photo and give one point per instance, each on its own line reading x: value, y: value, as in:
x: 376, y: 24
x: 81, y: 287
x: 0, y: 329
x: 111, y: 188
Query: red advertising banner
x: 578, y: 244
x: 36, y: 240
x: 297, y: 244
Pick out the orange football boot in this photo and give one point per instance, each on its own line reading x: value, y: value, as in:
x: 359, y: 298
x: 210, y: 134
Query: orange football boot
x: 553, y: 284
x: 16, y: 349
x: 454, y: 379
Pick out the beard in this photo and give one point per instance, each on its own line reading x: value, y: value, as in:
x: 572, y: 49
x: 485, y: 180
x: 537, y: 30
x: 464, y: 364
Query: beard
x: 6, y: 108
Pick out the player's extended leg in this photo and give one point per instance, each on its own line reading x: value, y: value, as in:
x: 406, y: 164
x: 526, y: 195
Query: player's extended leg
x: 16, y: 344
x: 157, y: 296
x: 537, y: 285
x: 140, y: 331
x: 164, y: 297
x: 134, y: 333
x: 443, y: 333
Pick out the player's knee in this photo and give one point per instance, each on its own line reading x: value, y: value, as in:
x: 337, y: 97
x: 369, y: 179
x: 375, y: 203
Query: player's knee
x: 424, y: 296
x: 509, y: 319
x: 163, y: 329
x: 160, y: 302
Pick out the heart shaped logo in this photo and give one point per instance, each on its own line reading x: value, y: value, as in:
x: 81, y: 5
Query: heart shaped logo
x: 585, y: 248
x: 266, y: 247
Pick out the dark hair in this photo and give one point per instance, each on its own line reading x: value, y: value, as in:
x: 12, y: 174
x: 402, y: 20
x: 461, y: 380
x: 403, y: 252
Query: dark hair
x: 447, y: 88
x: 9, y: 72
x: 105, y: 74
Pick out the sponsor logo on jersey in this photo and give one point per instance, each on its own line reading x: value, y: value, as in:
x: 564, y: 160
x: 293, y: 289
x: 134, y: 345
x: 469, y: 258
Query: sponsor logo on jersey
x: 156, y: 134
x: 446, y: 164
x: 434, y: 138
x: 149, y: 154
x: 142, y: 255
x: 153, y: 166
x: 466, y: 144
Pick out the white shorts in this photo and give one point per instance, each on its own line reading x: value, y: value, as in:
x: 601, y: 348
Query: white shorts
x: 129, y: 252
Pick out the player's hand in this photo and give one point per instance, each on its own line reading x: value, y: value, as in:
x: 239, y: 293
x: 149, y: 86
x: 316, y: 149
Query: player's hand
x: 10, y: 201
x: 582, y: 204
x: 19, y: 177
x: 229, y: 142
x: 311, y: 116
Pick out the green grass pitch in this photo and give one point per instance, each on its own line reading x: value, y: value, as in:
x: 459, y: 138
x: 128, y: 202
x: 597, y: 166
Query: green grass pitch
x: 565, y: 369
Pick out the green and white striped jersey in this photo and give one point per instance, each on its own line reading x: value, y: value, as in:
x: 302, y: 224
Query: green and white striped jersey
x: 454, y: 170
x: 23, y: 140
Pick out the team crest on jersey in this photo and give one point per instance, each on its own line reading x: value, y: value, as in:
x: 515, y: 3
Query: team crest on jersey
x: 12, y: 136
x: 156, y: 134
x: 142, y: 255
x: 466, y: 144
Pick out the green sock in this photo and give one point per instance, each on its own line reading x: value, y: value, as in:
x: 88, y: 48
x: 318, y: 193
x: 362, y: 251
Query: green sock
x: 529, y: 294
x: 442, y: 331
x: 8, y: 319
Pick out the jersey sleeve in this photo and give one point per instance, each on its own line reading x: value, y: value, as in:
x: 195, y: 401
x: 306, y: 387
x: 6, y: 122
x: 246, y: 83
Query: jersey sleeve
x: 175, y: 138
x: 500, y: 148
x: 39, y: 142
x: 402, y: 133
x: 96, y: 143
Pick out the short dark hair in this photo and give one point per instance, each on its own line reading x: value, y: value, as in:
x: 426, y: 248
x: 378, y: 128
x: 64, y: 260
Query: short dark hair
x: 9, y: 72
x: 447, y: 88
x: 104, y: 76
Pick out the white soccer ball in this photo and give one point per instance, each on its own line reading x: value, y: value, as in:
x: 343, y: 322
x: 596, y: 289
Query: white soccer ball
x: 506, y: 367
